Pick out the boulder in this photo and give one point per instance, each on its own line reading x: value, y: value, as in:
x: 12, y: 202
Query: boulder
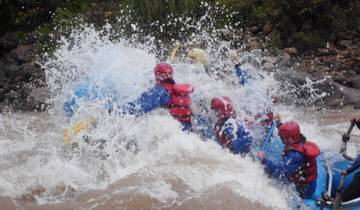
x: 8, y: 42
x: 291, y: 51
x: 340, y: 78
x: 349, y: 96
x: 255, y: 29
x: 355, y: 82
x: 24, y: 53
x: 326, y: 51
x: 345, y: 43
x: 284, y: 58
x: 267, y: 28
x: 303, y: 88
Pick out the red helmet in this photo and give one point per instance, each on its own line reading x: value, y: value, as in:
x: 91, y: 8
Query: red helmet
x: 222, y: 106
x: 290, y: 129
x: 163, y: 71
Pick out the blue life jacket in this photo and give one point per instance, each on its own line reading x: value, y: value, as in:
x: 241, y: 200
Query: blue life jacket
x: 89, y: 92
x: 232, y: 134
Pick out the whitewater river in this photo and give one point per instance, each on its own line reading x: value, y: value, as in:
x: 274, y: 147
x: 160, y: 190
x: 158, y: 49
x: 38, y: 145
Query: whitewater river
x: 147, y: 162
x: 182, y: 173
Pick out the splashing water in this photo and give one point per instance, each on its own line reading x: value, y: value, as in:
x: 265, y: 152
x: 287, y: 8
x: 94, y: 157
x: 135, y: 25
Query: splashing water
x: 146, y: 156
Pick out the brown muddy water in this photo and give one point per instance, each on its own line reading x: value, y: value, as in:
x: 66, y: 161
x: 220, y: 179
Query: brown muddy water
x: 119, y: 194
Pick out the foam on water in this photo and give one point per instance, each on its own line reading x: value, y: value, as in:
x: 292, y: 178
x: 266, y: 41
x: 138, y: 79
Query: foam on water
x: 151, y: 146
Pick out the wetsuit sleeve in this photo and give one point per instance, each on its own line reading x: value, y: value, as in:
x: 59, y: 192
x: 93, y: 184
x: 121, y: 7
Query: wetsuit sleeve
x: 241, y: 74
x: 286, y: 167
x: 80, y: 91
x: 149, y: 100
x: 203, y: 124
x: 355, y: 165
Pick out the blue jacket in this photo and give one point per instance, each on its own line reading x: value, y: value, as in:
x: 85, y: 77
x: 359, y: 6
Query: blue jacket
x: 204, y: 126
x: 234, y: 132
x: 155, y: 97
x: 288, y: 165
x: 241, y: 74
x: 88, y: 91
x: 244, y: 77
x: 355, y: 165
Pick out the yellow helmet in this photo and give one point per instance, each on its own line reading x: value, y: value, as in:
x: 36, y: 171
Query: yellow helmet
x: 199, y: 55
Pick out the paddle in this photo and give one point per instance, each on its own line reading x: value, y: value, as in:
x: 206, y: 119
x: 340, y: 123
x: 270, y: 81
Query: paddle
x: 174, y: 51
x: 338, y: 194
x: 76, y: 128
x: 340, y: 189
x: 268, y: 136
x: 345, y: 139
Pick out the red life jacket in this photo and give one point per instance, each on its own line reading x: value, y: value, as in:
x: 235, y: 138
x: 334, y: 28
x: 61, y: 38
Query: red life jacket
x: 308, y: 172
x: 180, y: 103
x: 220, y: 135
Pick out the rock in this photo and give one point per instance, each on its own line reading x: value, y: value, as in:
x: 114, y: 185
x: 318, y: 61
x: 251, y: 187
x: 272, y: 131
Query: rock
x: 355, y: 82
x: 12, y: 96
x: 284, y: 58
x: 345, y: 43
x: 351, y: 96
x: 40, y: 94
x: 16, y: 74
x: 349, y: 74
x: 267, y: 28
x: 291, y: 51
x: 254, y: 44
x: 24, y: 53
x: 356, y: 67
x: 268, y: 66
x: 344, y: 35
x: 2, y: 74
x: 326, y: 51
x: 308, y: 90
x: 254, y: 29
x: 269, y: 62
x: 8, y: 42
x: 226, y: 34
x: 340, y: 78
x: 3, y: 92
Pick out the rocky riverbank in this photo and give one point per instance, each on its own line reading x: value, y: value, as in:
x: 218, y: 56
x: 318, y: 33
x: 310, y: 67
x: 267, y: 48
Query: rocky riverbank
x: 334, y: 70
x: 22, y: 81
x: 331, y: 72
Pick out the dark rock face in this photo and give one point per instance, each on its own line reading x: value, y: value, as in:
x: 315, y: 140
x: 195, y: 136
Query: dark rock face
x: 20, y: 76
x: 8, y: 42
x: 355, y: 82
x: 23, y: 53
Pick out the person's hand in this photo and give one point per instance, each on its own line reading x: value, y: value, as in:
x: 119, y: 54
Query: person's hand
x: 355, y: 119
x: 261, y: 155
x: 277, y: 118
x: 344, y: 172
x: 233, y: 56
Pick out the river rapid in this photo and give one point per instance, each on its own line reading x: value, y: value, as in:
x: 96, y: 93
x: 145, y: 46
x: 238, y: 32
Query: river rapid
x: 147, y: 161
